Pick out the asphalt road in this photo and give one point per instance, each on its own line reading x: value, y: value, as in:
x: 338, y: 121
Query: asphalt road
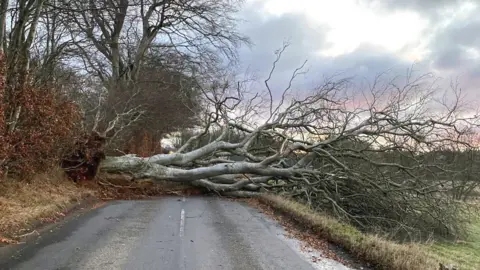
x: 168, y: 233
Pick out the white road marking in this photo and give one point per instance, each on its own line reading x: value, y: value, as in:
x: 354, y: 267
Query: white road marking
x: 183, y: 199
x: 182, y: 222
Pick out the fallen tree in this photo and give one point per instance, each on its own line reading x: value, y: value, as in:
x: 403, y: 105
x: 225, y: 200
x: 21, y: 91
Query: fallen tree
x: 369, y: 163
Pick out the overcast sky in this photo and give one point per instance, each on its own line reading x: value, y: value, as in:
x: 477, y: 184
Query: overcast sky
x: 365, y: 37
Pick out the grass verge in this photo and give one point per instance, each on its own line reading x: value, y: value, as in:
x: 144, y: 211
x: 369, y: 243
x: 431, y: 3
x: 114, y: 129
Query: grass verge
x: 43, y: 199
x: 465, y: 254
x: 381, y: 253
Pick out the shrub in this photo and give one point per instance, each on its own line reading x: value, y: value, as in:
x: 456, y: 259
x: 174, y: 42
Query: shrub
x: 46, y: 124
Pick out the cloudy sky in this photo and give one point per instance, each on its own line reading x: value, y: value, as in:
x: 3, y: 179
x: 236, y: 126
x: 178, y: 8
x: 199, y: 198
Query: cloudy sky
x: 365, y: 37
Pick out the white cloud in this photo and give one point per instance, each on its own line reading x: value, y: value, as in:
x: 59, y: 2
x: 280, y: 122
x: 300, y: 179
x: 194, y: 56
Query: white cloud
x: 350, y: 24
x: 365, y: 37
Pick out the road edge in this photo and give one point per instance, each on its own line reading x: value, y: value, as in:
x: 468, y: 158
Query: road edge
x: 36, y: 227
x: 365, y: 251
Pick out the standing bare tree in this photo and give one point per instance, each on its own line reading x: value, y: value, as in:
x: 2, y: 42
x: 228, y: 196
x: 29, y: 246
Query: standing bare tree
x: 17, y: 42
x: 111, y: 39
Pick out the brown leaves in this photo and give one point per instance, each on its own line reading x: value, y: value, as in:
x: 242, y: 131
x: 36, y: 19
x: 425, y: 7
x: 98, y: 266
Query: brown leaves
x: 9, y: 241
x: 46, y: 124
x: 115, y: 187
x: 53, y: 218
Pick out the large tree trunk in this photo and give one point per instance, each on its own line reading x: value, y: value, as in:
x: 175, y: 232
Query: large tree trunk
x: 366, y: 165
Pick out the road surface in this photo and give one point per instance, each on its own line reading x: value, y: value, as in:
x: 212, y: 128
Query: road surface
x: 169, y: 233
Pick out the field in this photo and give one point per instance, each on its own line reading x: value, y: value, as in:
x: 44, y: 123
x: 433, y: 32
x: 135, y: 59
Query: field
x: 465, y: 254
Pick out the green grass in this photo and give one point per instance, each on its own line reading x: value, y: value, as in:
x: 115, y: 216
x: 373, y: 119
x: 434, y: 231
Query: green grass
x: 464, y: 254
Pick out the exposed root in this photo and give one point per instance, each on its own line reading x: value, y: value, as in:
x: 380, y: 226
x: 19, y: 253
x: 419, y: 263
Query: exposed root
x: 82, y: 162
